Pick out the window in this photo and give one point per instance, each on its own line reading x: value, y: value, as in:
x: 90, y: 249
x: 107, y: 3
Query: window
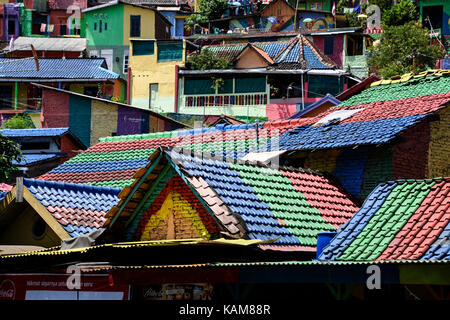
x: 319, y: 86
x: 95, y: 26
x: 170, y: 51
x: 100, y: 26
x: 355, y: 45
x: 35, y: 145
x: 328, y: 45
x: 142, y: 48
x: 38, y: 228
x: 106, y: 26
x: 153, y: 95
x: 198, y: 86
x: 135, y: 26
x: 316, y: 5
x: 125, y: 61
x: 250, y: 84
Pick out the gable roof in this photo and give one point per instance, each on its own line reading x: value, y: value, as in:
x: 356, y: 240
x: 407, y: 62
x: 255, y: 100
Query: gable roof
x: 328, y: 98
x: 259, y: 51
x: 72, y: 209
x: 294, y: 54
x: 400, y: 220
x: 39, y: 132
x: 54, y: 69
x: 18, y: 134
x: 377, y: 115
x: 131, y: 3
x: 246, y: 200
x: 64, y: 4
x: 153, y: 113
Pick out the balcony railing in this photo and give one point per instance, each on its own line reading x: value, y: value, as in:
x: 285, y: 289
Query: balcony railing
x: 225, y: 100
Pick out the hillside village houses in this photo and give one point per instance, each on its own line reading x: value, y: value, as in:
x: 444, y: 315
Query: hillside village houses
x: 282, y: 174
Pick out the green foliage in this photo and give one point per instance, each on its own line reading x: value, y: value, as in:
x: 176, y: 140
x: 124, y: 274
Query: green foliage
x: 194, y: 20
x: 18, y: 122
x: 403, y: 12
x: 213, y: 9
x: 207, y: 60
x: 403, y: 49
x: 9, y: 152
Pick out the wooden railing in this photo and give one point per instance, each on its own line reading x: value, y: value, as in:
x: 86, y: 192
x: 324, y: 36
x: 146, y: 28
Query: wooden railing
x: 225, y: 100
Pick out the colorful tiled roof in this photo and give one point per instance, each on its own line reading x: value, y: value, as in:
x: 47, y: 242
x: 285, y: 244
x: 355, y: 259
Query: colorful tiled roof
x: 12, y: 68
x: 79, y: 209
x: 44, y: 132
x: 286, y: 204
x: 298, y: 53
x: 400, y: 220
x: 114, y: 160
x: 5, y: 187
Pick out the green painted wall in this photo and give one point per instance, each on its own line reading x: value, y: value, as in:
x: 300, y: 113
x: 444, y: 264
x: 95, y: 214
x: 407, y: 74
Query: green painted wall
x: 79, y: 111
x: 113, y: 35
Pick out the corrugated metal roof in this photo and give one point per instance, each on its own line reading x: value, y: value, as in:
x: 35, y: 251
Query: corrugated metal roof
x: 33, y: 158
x: 50, y: 44
x: 44, y: 132
x: 11, y: 68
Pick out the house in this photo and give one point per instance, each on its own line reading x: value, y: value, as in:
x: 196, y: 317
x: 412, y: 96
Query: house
x: 364, y: 141
x: 175, y: 11
x: 88, y: 76
x: 401, y: 220
x: 347, y: 47
x: 48, y: 47
x: 91, y: 118
x: 109, y: 28
x: 183, y: 197
x: 10, y: 21
x: 276, y: 16
x: 435, y: 15
x: 51, y: 212
x: 269, y: 79
x: 43, y: 149
x: 317, y: 108
x: 153, y: 73
x: 65, y: 16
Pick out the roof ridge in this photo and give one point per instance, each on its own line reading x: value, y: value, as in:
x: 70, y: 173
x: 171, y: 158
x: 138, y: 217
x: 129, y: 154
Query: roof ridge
x: 205, y: 156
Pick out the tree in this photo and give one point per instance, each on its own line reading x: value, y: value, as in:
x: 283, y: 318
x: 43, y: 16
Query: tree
x: 9, y: 152
x: 213, y: 9
x: 401, y: 13
x: 207, y: 60
x: 403, y: 49
x: 18, y: 122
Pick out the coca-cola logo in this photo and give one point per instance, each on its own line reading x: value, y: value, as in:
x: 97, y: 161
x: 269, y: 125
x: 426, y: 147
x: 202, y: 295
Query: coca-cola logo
x: 7, y: 290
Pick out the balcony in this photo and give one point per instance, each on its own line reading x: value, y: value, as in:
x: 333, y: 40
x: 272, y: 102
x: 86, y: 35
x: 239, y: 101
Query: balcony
x: 225, y: 100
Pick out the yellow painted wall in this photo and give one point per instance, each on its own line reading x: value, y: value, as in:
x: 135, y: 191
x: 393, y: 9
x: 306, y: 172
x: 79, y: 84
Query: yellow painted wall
x: 322, y: 160
x: 439, y: 149
x: 19, y: 232
x: 76, y: 87
x: 36, y: 118
x: 147, y: 23
x: 22, y: 95
x: 145, y: 70
x: 176, y: 219
x: 103, y: 118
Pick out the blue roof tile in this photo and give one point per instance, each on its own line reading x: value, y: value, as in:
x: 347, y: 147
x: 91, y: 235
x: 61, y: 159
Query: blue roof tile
x: 79, y: 68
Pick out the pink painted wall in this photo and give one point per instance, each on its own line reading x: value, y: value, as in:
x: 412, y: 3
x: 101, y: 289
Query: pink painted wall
x: 280, y: 111
x: 337, y: 50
